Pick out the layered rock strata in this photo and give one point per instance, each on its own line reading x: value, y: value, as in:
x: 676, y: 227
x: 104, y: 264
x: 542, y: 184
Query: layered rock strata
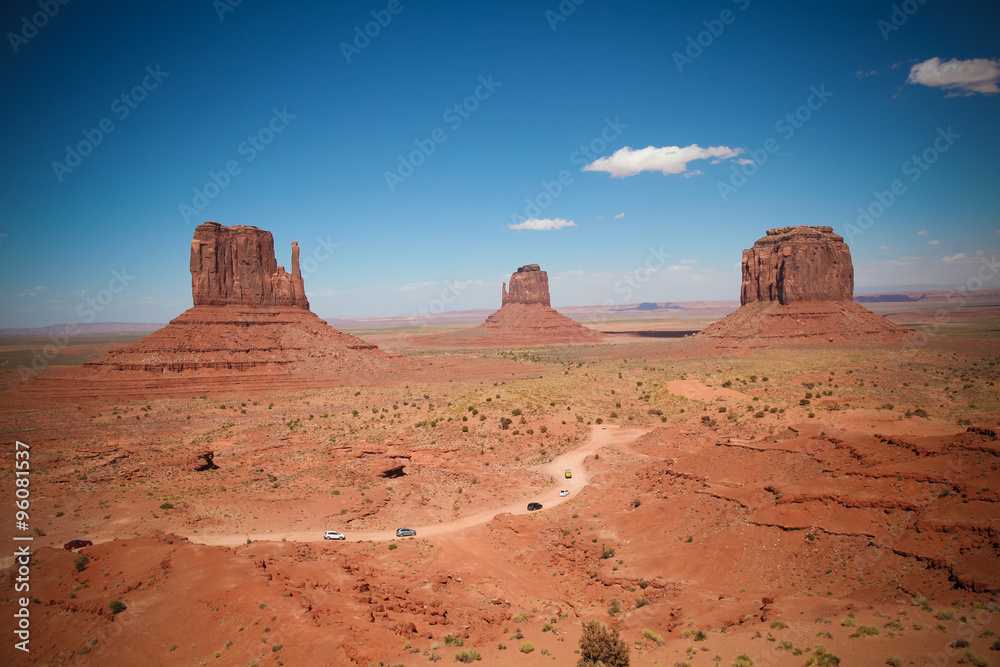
x: 798, y: 286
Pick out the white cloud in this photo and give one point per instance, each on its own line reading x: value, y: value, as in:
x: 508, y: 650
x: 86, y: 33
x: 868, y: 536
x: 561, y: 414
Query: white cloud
x: 922, y: 232
x: 954, y: 258
x: 965, y: 77
x: 883, y: 247
x: 542, y: 224
x: 689, y: 261
x: 666, y: 160
x: 33, y: 291
x: 417, y: 286
x: 620, y: 215
x: 744, y: 160
x: 696, y: 172
x: 933, y: 243
x: 863, y: 74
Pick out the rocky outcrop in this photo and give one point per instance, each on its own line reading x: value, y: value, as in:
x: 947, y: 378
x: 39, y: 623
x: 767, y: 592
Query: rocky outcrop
x: 798, y: 264
x: 528, y: 285
x: 798, y: 286
x: 236, y: 266
x: 250, y: 330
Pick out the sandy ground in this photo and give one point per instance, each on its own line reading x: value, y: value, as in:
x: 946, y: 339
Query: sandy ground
x: 778, y: 504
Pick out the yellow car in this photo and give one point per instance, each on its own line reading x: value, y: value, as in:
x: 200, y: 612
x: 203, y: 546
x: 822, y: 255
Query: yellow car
x: 569, y: 473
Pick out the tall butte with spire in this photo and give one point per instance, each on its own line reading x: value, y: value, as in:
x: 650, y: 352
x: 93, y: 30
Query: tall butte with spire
x: 250, y: 330
x: 798, y: 286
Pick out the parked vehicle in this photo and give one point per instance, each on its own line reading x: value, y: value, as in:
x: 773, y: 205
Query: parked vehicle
x: 405, y: 532
x: 333, y: 535
x: 534, y: 506
x: 564, y: 493
x: 569, y: 473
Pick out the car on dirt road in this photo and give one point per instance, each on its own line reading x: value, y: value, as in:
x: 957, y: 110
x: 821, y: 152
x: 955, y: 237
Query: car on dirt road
x: 405, y: 532
x: 333, y: 535
x: 569, y: 473
x: 564, y: 493
x: 534, y: 506
x: 77, y: 544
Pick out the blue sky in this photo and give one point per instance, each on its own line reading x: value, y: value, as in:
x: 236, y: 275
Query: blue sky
x: 632, y: 149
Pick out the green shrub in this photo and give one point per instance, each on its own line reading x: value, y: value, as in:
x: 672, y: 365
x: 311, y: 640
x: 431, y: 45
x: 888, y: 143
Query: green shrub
x: 865, y: 631
x: 778, y: 625
x: 469, y: 655
x: 527, y: 647
x: 167, y: 506
x: 894, y: 660
x: 452, y: 640
x: 81, y: 562
x: 945, y: 614
x: 652, y: 636
x: 973, y: 658
x: 607, y: 552
x: 117, y: 607
x: 743, y: 660
x: 601, y: 644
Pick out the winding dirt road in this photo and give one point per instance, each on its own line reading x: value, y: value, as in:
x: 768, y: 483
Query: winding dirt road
x: 597, y: 438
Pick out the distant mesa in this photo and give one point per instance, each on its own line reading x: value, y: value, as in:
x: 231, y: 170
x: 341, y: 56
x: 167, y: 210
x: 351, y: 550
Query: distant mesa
x: 525, y: 318
x: 250, y: 330
x: 647, y: 306
x: 888, y: 298
x: 798, y: 286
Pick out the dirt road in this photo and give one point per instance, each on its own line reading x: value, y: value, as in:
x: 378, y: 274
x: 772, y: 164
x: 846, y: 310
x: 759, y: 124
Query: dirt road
x: 597, y: 438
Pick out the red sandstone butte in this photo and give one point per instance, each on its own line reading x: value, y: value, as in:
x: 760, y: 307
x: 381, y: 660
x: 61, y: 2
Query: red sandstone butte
x: 798, y: 286
x: 525, y: 318
x: 236, y: 265
x: 250, y: 330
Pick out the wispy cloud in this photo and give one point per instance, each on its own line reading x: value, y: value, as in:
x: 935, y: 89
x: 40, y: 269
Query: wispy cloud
x: 955, y: 258
x: 696, y: 172
x: 933, y: 243
x: 543, y: 224
x: 864, y: 74
x: 689, y: 261
x: 883, y: 247
x: 33, y: 291
x: 963, y: 77
x: 666, y: 160
x: 922, y: 232
x: 620, y: 215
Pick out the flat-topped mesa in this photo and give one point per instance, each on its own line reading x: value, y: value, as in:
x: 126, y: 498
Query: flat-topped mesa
x: 800, y: 263
x: 528, y: 285
x: 236, y: 266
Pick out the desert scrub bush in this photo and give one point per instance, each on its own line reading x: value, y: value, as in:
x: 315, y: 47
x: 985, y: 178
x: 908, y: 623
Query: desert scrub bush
x: 652, y: 636
x: 743, y: 660
x: 527, y: 647
x: 973, y: 658
x: 607, y: 552
x: 822, y: 659
x: 894, y: 660
x: 393, y: 546
x: 117, y: 607
x: 81, y: 562
x: 641, y: 602
x: 452, y: 640
x: 614, y: 607
x: 848, y: 621
x: 865, y: 631
x: 700, y: 636
x: 521, y: 618
x: 945, y: 614
x: 778, y: 625
x: 469, y: 655
x: 600, y: 644
x: 167, y: 506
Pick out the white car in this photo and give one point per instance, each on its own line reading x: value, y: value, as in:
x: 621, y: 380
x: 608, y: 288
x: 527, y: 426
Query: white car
x: 564, y: 492
x: 605, y: 428
x: 333, y: 535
